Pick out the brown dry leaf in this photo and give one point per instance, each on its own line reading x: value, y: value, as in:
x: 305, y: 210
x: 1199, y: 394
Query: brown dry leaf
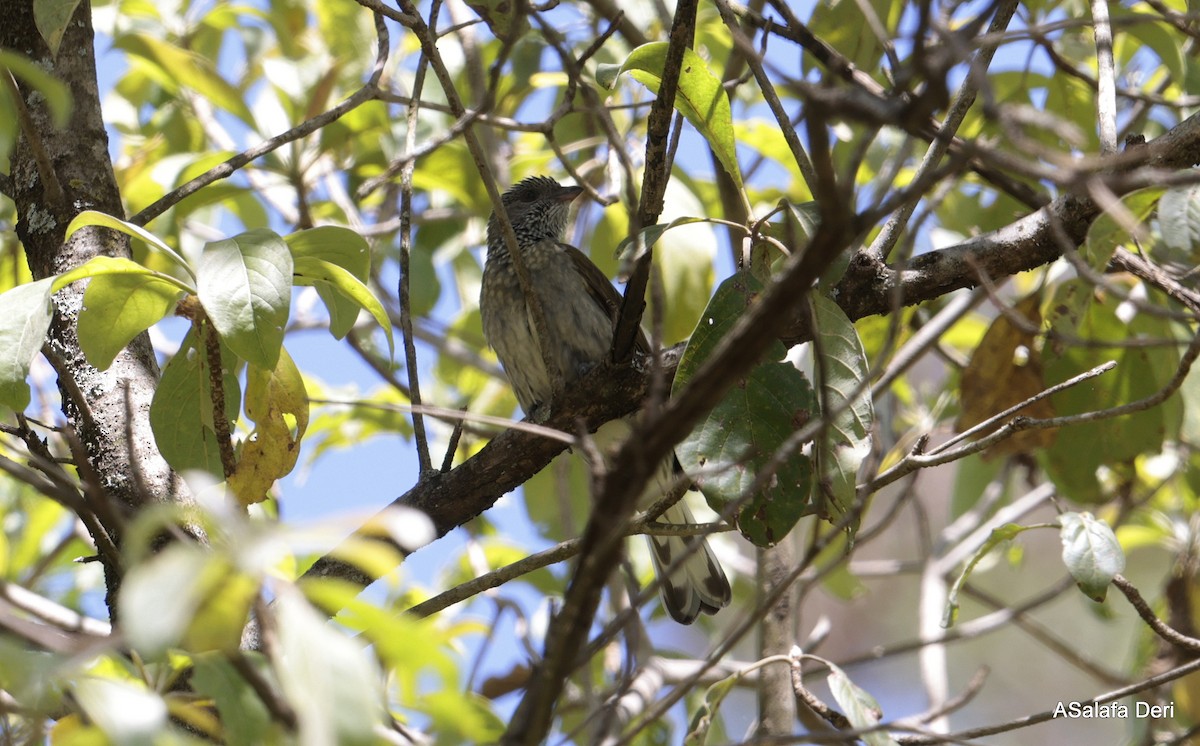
x: 1006, y: 369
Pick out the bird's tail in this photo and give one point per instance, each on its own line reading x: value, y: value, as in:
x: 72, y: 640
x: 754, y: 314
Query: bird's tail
x: 696, y: 582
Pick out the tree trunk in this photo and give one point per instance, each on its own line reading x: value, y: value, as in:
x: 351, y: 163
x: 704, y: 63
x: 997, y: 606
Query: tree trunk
x: 56, y: 174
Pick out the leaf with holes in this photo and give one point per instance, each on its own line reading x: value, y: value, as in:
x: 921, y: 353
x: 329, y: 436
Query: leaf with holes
x: 737, y: 447
x: 278, y: 404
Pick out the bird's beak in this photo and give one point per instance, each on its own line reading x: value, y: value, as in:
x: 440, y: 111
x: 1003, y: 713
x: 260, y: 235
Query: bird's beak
x: 567, y: 194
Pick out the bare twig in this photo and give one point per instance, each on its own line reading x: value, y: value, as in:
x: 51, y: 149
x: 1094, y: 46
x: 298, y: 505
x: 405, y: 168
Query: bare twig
x: 971, y: 734
x: 963, y: 100
x: 424, y: 460
x: 1172, y: 636
x: 366, y: 93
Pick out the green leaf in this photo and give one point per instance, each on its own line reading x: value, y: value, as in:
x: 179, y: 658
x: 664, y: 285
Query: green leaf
x: 181, y: 414
x: 243, y: 714
x: 1079, y: 450
x: 126, y: 711
x: 700, y: 97
x: 160, y: 596
x: 1107, y: 232
x: 118, y: 307
x: 842, y: 379
x: 102, y: 266
x: 1179, y: 223
x: 997, y: 536
x: 173, y: 68
x: 800, y: 222
x: 25, y: 314
x: 1154, y: 32
x: 859, y: 706
x: 341, y: 247
x: 245, y: 286
x: 685, y: 270
x: 331, y: 682
x: 1091, y: 553
x: 506, y: 20
x: 842, y: 26
x: 739, y: 438
x: 338, y: 281
x: 702, y: 720
x: 647, y: 237
x: 52, y: 17
x: 91, y: 217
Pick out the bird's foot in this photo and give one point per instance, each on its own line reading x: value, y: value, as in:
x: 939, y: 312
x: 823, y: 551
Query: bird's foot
x: 539, y: 414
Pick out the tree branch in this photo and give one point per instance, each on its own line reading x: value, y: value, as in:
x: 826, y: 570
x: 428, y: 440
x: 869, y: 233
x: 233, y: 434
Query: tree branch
x: 654, y: 182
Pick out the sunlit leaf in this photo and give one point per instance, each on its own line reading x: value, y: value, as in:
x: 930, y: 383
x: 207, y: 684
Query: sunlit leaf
x: 181, y: 413
x: 122, y: 300
x: 126, y: 711
x: 25, y: 314
x: 340, y: 282
x: 92, y: 217
x: 277, y: 403
x: 52, y: 17
x: 173, y: 66
x: 184, y: 596
x: 245, y: 286
x: 700, y: 97
x: 331, y: 682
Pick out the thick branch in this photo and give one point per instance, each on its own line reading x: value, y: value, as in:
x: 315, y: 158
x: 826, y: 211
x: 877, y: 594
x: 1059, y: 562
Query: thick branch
x: 869, y: 288
x: 108, y: 409
x: 454, y: 498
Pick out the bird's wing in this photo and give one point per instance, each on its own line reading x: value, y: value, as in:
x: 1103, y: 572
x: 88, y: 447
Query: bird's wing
x: 601, y: 290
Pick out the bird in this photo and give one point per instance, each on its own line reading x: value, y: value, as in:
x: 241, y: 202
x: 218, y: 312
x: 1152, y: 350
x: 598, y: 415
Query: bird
x: 580, y: 307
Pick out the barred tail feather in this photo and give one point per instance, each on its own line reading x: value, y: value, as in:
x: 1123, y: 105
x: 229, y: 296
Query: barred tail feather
x: 696, y: 583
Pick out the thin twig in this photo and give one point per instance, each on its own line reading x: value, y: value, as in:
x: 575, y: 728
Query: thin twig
x: 963, y: 100
x: 367, y: 92
x: 424, y: 460
x: 971, y: 734
x: 1170, y: 635
x: 481, y: 159
x: 53, y: 191
x: 991, y: 421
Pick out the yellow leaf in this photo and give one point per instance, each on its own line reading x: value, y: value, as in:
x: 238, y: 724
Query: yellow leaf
x: 278, y: 404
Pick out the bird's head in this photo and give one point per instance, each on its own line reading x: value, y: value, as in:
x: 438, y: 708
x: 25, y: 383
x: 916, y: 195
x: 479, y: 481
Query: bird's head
x: 537, y: 208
